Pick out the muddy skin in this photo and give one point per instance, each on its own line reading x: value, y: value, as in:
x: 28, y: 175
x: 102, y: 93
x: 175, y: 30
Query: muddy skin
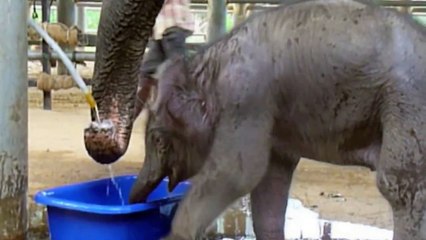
x: 337, y: 81
x: 124, y: 29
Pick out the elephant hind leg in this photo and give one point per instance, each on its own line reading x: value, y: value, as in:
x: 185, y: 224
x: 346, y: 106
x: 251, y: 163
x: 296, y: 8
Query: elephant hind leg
x: 401, y: 173
x: 269, y: 198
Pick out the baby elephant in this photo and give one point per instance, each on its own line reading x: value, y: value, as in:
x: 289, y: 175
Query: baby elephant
x: 339, y: 81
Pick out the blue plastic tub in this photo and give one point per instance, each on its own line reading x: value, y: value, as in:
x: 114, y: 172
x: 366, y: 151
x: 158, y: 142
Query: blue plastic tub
x: 93, y: 210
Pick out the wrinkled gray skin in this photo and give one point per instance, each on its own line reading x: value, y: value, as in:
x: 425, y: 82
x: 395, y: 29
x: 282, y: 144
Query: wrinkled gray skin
x: 123, y: 32
x: 337, y: 81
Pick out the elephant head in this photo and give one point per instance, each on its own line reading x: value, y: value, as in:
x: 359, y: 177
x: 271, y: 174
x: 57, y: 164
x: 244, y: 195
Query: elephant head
x: 123, y: 32
x: 179, y: 130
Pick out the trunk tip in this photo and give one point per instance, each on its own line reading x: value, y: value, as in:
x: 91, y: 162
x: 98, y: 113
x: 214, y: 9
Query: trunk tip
x: 102, y: 145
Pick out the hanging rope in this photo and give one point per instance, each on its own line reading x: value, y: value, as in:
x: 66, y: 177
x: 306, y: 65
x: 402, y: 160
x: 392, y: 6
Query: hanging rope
x: 47, y: 82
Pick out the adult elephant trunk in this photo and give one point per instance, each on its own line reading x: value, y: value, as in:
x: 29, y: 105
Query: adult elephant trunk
x: 124, y: 29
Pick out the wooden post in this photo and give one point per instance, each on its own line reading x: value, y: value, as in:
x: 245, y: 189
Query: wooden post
x: 239, y: 13
x: 217, y: 19
x: 66, y: 15
x: 13, y: 121
x: 45, y: 17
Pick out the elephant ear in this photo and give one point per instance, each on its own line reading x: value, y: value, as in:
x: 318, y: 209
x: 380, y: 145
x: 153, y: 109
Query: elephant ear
x: 146, y: 90
x: 184, y: 103
x: 146, y: 83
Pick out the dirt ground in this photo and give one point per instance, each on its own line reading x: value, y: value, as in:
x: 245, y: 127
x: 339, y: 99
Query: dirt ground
x: 57, y: 156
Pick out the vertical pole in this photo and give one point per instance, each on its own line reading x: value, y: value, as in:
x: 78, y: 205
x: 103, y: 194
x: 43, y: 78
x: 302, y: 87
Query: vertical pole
x: 217, y: 19
x: 248, y: 9
x: 66, y: 15
x: 13, y: 121
x: 45, y: 61
x: 81, y: 18
x: 405, y: 9
x: 239, y: 14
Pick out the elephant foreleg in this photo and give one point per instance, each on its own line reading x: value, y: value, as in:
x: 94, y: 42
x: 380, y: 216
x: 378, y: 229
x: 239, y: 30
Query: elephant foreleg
x: 236, y: 165
x: 269, y: 198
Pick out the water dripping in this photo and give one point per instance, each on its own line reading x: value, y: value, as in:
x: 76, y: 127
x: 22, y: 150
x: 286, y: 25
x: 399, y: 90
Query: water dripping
x: 107, y: 193
x: 111, y: 173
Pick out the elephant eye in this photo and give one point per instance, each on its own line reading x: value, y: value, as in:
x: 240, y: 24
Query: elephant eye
x: 159, y: 142
x: 162, y: 151
x: 155, y: 139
